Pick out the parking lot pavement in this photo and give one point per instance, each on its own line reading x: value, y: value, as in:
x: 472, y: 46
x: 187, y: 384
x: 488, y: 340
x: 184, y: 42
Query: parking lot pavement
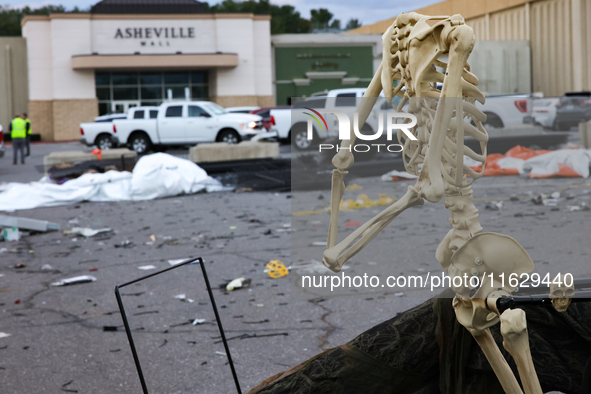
x: 57, y: 334
x: 33, y: 170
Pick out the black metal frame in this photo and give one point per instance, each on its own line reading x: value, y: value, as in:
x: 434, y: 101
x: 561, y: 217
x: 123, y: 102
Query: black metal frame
x: 197, y: 260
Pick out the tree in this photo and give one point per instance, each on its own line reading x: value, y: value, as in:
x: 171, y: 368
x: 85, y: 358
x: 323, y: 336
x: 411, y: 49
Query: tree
x: 320, y: 18
x: 353, y: 24
x: 284, y: 19
x: 10, y: 18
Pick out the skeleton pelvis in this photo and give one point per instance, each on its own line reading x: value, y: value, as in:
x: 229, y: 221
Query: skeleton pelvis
x: 498, y: 261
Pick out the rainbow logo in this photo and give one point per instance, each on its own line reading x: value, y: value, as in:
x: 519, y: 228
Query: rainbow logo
x: 316, y: 119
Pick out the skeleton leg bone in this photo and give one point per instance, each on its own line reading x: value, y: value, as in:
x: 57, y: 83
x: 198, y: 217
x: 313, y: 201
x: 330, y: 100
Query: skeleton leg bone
x: 497, y: 361
x: 516, y: 341
x: 336, y: 256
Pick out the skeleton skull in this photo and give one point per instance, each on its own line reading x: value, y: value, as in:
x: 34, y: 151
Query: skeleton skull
x: 561, y: 294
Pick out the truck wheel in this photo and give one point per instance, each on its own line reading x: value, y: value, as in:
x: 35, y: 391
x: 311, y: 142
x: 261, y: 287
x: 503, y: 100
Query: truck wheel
x: 104, y: 142
x: 229, y: 136
x: 299, y: 137
x: 493, y: 120
x: 140, y: 143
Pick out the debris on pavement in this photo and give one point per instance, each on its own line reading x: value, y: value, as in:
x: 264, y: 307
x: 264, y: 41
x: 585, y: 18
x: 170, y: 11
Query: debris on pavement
x: 494, y: 205
x: 183, y: 297
x: 46, y: 267
x: 582, y: 207
x: 11, y: 234
x: 175, y: 261
x: 20, y: 265
x: 87, y: 232
x: 147, y: 267
x: 198, y: 321
x: 276, y: 269
x: 27, y: 224
x: 395, y: 175
x: 238, y: 283
x: 75, y: 280
x: 4, y: 335
x: 125, y: 244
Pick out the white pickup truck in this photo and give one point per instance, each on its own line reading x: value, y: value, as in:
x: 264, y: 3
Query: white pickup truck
x: 501, y: 111
x: 188, y: 122
x: 100, y: 132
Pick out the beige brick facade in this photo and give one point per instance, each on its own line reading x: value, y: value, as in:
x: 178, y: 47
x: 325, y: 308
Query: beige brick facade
x: 59, y: 120
x: 41, y: 115
x: 240, y: 101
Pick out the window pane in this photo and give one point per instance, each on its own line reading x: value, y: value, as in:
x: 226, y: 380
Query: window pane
x: 198, y: 77
x: 151, y: 92
x: 125, y: 94
x: 104, y: 108
x: 151, y: 79
x: 153, y: 114
x: 101, y: 78
x: 125, y: 79
x: 151, y: 103
x: 175, y: 111
x: 195, y: 111
x: 103, y: 93
x: 138, y: 114
x: 199, y: 93
x: 178, y: 92
x: 170, y: 78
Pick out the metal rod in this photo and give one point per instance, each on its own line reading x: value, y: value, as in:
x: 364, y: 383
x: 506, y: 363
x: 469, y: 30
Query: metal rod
x: 130, y: 339
x: 217, y: 317
x: 215, y: 311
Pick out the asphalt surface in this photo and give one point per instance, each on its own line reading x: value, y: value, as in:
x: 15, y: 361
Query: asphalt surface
x: 58, y: 341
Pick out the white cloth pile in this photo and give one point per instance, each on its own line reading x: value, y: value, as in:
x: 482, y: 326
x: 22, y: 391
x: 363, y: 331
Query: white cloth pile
x: 154, y: 176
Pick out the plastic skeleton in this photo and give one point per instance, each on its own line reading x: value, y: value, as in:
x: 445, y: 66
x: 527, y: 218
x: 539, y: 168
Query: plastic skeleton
x: 413, y: 46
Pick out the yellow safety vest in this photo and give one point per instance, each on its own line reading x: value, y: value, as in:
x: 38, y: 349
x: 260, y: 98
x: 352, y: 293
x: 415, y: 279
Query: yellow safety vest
x: 19, y: 128
x: 28, y: 121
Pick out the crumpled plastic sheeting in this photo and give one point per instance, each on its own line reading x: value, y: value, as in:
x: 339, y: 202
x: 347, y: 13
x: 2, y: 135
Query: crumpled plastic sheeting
x: 539, y: 164
x: 154, y: 176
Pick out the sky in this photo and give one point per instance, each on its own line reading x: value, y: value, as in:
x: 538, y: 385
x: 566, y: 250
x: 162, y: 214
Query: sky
x: 368, y: 11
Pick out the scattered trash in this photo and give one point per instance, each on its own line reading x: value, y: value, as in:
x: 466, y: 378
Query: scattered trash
x: 46, y: 267
x: 74, y: 221
x: 352, y: 224
x: 153, y: 238
x: 399, y: 294
x: 17, y: 301
x: 75, y: 280
x: 87, y: 232
x: 220, y: 353
x: 276, y: 269
x: 125, y: 244
x: 175, y: 262
x: 494, y: 205
x: 4, y: 335
x: 93, y: 269
x: 582, y: 207
x: 320, y: 243
x: 395, y: 175
x: 11, y: 234
x: 232, y: 227
x: 363, y: 201
x: 27, y: 224
x: 183, y: 297
x: 354, y: 187
x: 514, y: 198
x: 20, y: 265
x: 109, y: 328
x: 147, y: 267
x: 198, y: 321
x: 238, y: 283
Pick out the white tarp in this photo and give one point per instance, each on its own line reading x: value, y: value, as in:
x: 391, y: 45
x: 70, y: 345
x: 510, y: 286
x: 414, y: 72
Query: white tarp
x: 154, y: 176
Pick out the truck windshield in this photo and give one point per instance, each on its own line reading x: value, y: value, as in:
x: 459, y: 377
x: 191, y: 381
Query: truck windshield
x: 214, y: 108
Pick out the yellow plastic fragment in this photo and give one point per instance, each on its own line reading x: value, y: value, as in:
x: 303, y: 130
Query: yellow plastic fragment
x: 276, y: 269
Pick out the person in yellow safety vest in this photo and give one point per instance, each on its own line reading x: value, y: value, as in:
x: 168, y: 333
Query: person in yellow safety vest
x: 18, y: 134
x: 28, y: 141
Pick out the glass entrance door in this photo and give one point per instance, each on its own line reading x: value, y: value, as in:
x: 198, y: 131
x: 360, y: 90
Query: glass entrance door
x: 121, y: 107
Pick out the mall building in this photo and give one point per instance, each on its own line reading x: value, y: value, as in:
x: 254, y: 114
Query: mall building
x: 130, y: 53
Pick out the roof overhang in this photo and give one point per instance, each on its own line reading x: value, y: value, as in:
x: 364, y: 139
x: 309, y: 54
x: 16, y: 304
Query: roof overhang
x: 154, y: 61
